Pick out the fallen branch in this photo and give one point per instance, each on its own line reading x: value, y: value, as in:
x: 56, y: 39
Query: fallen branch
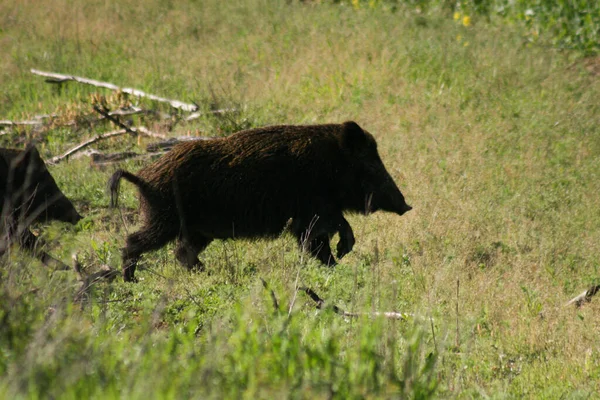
x: 584, y: 297
x: 169, y: 143
x: 83, y: 145
x: 320, y: 304
x: 39, y: 119
x: 60, y: 78
x: 21, y: 123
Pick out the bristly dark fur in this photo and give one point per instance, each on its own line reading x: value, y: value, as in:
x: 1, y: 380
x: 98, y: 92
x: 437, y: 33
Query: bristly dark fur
x: 251, y: 183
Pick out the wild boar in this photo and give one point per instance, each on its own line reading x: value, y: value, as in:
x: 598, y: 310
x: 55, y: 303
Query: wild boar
x: 29, y: 194
x: 252, y: 183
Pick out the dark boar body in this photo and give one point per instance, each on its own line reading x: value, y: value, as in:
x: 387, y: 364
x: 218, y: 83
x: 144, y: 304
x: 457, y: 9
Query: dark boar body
x: 252, y: 183
x: 29, y: 194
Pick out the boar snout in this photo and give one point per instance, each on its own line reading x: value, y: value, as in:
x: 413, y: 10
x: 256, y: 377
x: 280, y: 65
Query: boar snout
x: 403, y: 209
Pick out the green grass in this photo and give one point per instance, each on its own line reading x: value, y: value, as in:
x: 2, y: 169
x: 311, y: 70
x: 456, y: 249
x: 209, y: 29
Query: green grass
x: 493, y: 139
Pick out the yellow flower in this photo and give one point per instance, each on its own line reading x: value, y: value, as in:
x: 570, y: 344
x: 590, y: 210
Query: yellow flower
x: 356, y: 4
x: 456, y: 15
x: 458, y: 38
x: 466, y: 21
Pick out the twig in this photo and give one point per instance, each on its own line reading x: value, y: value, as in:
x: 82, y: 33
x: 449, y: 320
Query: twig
x: 584, y: 297
x: 273, y: 297
x: 106, y: 114
x: 320, y: 304
x: 60, y: 78
x: 81, y: 146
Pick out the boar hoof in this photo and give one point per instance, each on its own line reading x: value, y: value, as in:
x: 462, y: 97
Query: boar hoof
x: 128, y: 278
x: 188, y: 257
x: 198, y: 266
x: 344, y: 246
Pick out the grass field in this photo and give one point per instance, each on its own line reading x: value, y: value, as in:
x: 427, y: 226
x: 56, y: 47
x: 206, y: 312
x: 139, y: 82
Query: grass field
x: 492, y: 138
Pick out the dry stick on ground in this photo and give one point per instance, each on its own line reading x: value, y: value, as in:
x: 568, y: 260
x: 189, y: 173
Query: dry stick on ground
x: 126, y: 129
x: 21, y: 123
x: 320, y: 303
x: 39, y: 119
x: 83, y: 145
x: 584, y: 297
x: 60, y: 78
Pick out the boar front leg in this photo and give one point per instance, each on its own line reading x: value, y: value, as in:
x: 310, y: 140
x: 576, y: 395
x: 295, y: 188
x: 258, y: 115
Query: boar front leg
x: 347, y: 240
x: 320, y: 249
x: 188, y: 249
x: 314, y: 234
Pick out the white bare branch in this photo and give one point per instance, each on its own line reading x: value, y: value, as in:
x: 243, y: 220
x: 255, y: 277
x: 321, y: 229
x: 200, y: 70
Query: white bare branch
x: 59, y: 78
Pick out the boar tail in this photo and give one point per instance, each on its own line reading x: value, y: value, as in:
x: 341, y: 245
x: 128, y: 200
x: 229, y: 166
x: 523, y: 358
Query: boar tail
x: 114, y: 183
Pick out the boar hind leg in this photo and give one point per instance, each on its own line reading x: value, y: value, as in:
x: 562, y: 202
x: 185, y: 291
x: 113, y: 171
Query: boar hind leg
x: 148, y: 239
x: 187, y: 251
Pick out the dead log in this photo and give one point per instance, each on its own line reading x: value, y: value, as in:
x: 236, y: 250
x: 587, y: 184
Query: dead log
x: 60, y: 78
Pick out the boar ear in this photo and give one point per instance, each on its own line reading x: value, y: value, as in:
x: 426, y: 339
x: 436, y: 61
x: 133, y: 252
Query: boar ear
x: 353, y: 135
x: 32, y: 152
x: 29, y: 159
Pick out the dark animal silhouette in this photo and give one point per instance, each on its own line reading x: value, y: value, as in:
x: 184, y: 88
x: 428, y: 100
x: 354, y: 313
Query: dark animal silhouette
x: 29, y: 194
x: 252, y: 183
